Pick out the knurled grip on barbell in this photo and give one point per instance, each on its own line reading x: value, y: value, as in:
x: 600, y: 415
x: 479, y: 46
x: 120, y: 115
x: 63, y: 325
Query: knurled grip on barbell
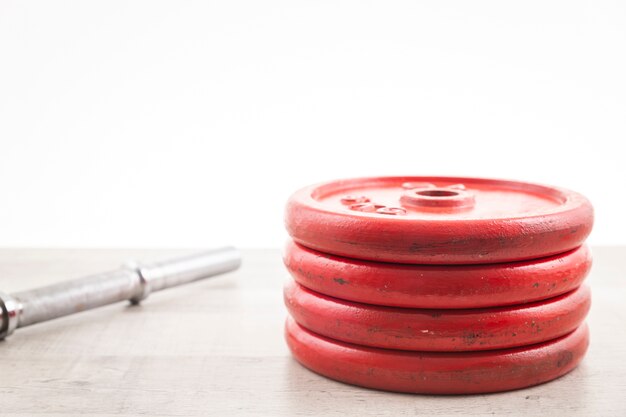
x: 132, y: 282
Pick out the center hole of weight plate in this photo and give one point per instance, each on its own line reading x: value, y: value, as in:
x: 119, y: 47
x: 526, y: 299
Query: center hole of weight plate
x: 434, y: 198
x: 437, y: 193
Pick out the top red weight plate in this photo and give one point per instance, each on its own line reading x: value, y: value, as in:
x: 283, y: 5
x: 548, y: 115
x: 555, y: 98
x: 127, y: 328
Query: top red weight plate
x: 438, y: 220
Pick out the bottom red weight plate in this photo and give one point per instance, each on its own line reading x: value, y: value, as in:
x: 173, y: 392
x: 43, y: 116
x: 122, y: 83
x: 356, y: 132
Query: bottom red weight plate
x: 437, y: 373
x: 437, y: 330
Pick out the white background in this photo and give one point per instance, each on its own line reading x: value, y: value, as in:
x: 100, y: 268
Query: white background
x: 180, y: 123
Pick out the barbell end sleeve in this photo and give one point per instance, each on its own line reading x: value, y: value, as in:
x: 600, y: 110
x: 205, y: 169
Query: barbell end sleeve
x: 158, y: 276
x: 10, y: 309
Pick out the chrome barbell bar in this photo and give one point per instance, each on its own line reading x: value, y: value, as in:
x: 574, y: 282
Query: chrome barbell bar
x: 133, y: 282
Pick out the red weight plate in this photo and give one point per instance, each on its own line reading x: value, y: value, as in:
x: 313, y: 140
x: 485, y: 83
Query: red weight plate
x: 437, y: 330
x: 437, y: 373
x: 438, y: 220
x: 435, y: 286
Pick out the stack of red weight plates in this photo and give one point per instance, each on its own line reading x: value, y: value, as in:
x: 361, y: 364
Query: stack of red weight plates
x: 438, y: 285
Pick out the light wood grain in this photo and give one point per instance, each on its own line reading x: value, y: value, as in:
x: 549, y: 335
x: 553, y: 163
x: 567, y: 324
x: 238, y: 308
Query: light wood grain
x: 216, y: 348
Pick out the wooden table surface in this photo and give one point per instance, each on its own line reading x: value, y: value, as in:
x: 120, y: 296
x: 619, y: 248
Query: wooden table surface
x: 216, y: 348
